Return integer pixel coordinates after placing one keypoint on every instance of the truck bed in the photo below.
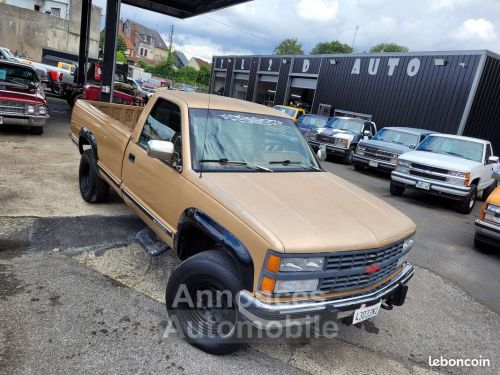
(112, 126)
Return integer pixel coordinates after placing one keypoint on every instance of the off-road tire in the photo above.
(466, 205)
(92, 188)
(488, 191)
(396, 189)
(38, 130)
(348, 159)
(208, 270)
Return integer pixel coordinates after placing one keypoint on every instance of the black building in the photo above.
(454, 92)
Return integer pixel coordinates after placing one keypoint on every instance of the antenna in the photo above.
(205, 137)
(354, 39)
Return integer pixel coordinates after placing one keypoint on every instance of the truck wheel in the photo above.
(210, 281)
(488, 191)
(396, 190)
(467, 204)
(38, 130)
(92, 188)
(347, 159)
(359, 167)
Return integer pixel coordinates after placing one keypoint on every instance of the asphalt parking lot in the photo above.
(78, 295)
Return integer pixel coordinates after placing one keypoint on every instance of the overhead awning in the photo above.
(269, 78)
(220, 74)
(305, 83)
(241, 76)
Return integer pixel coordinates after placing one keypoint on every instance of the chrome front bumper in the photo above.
(23, 120)
(487, 229)
(436, 186)
(381, 163)
(259, 312)
(330, 147)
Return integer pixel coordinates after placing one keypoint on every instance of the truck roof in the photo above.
(198, 100)
(461, 137)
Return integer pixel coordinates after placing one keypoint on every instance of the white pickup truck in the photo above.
(452, 166)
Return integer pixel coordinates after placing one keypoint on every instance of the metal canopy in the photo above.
(182, 8)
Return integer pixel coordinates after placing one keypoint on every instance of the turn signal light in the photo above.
(267, 285)
(273, 263)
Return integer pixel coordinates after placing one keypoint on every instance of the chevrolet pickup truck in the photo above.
(382, 151)
(341, 136)
(452, 166)
(217, 180)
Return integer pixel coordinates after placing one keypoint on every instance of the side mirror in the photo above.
(412, 147)
(161, 150)
(321, 154)
(493, 159)
(367, 133)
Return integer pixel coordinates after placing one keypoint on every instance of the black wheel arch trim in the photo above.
(89, 138)
(193, 217)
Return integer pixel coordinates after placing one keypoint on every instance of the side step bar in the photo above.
(151, 243)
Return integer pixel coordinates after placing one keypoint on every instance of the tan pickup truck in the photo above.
(233, 188)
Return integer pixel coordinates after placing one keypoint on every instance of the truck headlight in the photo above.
(341, 142)
(301, 264)
(42, 110)
(360, 150)
(30, 109)
(458, 178)
(408, 244)
(403, 166)
(491, 212)
(296, 286)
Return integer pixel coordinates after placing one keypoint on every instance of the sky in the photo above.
(257, 26)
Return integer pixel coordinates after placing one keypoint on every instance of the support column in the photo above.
(109, 59)
(80, 75)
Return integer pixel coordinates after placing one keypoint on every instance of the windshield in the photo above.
(17, 75)
(314, 121)
(399, 137)
(461, 148)
(264, 142)
(352, 126)
(288, 111)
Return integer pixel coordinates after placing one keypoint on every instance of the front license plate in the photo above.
(423, 185)
(373, 164)
(364, 313)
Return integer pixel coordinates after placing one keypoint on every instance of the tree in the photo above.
(203, 78)
(331, 47)
(289, 47)
(389, 47)
(120, 45)
(120, 57)
(165, 69)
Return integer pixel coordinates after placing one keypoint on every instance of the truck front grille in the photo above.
(351, 268)
(11, 107)
(431, 173)
(376, 154)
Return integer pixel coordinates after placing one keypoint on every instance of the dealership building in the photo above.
(454, 92)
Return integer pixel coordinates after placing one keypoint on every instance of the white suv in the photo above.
(452, 166)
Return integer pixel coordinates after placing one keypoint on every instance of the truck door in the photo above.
(152, 186)
(487, 175)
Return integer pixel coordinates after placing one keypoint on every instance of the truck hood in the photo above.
(385, 146)
(308, 212)
(20, 93)
(440, 161)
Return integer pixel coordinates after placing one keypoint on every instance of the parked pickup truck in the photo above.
(341, 136)
(452, 166)
(382, 151)
(488, 224)
(217, 179)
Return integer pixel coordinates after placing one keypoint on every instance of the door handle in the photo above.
(131, 158)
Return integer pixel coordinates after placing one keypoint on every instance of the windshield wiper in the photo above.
(235, 162)
(289, 162)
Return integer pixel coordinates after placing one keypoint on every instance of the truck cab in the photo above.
(455, 167)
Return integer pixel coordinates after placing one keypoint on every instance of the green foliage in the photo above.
(203, 78)
(331, 47)
(120, 45)
(289, 46)
(165, 69)
(389, 47)
(120, 57)
(147, 68)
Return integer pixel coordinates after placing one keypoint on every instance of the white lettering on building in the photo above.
(357, 66)
(373, 66)
(242, 64)
(413, 67)
(392, 63)
(305, 65)
(270, 64)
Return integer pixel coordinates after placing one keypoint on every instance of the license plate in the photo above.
(373, 164)
(364, 313)
(423, 185)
